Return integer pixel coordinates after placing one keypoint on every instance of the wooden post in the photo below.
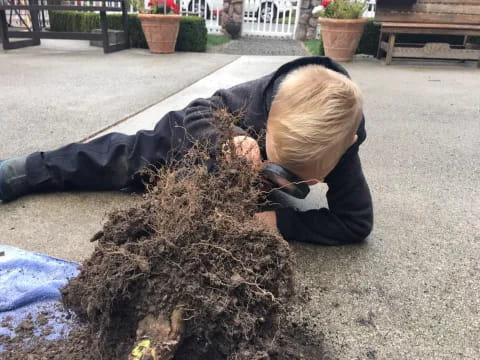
(104, 24)
(125, 23)
(4, 29)
(35, 24)
(391, 46)
(379, 50)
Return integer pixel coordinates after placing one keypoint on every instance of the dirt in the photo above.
(26, 326)
(42, 318)
(77, 346)
(7, 323)
(190, 270)
(292, 342)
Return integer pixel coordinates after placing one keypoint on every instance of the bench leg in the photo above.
(391, 46)
(10, 45)
(107, 48)
(4, 29)
(104, 24)
(35, 24)
(379, 50)
(125, 24)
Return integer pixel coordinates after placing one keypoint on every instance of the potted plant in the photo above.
(233, 29)
(160, 23)
(341, 27)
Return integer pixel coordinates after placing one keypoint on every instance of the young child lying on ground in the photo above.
(312, 114)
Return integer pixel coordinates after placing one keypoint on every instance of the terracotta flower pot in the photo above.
(161, 32)
(341, 37)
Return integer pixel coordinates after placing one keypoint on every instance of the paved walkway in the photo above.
(410, 292)
(63, 91)
(261, 46)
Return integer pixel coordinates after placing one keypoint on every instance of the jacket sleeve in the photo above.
(238, 100)
(112, 161)
(349, 218)
(197, 121)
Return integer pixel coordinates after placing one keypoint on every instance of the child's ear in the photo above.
(355, 138)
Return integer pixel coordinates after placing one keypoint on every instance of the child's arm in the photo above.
(237, 100)
(349, 218)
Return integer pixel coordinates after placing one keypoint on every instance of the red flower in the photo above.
(325, 3)
(170, 4)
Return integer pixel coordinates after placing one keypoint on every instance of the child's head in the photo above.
(313, 121)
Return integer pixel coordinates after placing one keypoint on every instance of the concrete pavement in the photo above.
(63, 91)
(410, 292)
(261, 46)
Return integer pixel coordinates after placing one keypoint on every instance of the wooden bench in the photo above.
(35, 33)
(437, 17)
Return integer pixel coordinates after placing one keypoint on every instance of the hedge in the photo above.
(369, 41)
(192, 35)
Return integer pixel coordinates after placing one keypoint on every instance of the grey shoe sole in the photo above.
(13, 178)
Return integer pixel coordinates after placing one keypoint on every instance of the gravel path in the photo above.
(261, 46)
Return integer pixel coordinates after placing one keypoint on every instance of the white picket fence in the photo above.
(210, 10)
(370, 10)
(271, 18)
(211, 13)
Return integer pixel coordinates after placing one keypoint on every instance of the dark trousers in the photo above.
(109, 162)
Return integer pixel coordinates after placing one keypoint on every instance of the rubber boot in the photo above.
(13, 178)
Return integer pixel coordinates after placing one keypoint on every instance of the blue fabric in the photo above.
(29, 284)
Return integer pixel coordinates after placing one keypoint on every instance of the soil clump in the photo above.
(190, 271)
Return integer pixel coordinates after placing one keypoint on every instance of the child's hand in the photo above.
(248, 148)
(268, 218)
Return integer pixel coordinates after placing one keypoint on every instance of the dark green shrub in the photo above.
(369, 41)
(192, 34)
(137, 38)
(74, 21)
(321, 50)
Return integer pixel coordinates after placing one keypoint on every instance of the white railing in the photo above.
(370, 10)
(211, 13)
(273, 18)
(210, 10)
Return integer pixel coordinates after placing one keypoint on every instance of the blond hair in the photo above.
(313, 118)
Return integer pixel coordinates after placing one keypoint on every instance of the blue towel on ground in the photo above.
(30, 284)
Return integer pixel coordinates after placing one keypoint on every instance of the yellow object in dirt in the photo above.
(143, 351)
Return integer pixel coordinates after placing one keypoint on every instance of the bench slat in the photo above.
(431, 51)
(429, 26)
(60, 7)
(453, 3)
(448, 9)
(459, 32)
(415, 17)
(57, 35)
(46, 2)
